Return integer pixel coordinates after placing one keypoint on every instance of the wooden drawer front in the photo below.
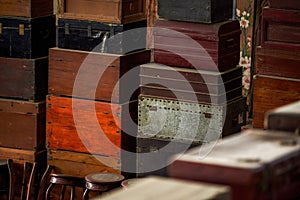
(284, 118)
(22, 124)
(288, 4)
(102, 136)
(281, 28)
(207, 11)
(32, 37)
(24, 78)
(271, 92)
(117, 11)
(64, 65)
(166, 119)
(267, 153)
(26, 8)
(278, 62)
(101, 37)
(193, 45)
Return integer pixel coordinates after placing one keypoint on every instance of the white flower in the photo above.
(244, 23)
(238, 12)
(246, 82)
(244, 13)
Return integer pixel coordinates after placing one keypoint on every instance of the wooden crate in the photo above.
(26, 8)
(196, 45)
(64, 65)
(284, 118)
(277, 62)
(280, 28)
(208, 11)
(22, 124)
(256, 164)
(98, 133)
(24, 78)
(117, 11)
(101, 37)
(271, 92)
(26, 37)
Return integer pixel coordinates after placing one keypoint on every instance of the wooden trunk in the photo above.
(181, 83)
(284, 118)
(22, 124)
(280, 28)
(116, 11)
(99, 76)
(287, 4)
(257, 164)
(24, 78)
(81, 164)
(169, 189)
(26, 8)
(26, 37)
(278, 62)
(271, 92)
(192, 122)
(195, 45)
(101, 37)
(74, 125)
(207, 11)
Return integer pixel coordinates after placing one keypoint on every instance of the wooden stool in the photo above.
(101, 182)
(65, 180)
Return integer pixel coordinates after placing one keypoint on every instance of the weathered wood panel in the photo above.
(64, 65)
(271, 92)
(22, 124)
(24, 78)
(278, 62)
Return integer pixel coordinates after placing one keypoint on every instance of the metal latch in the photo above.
(89, 31)
(67, 29)
(21, 29)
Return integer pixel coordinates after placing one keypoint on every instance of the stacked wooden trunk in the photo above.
(258, 164)
(27, 31)
(192, 93)
(277, 79)
(89, 107)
